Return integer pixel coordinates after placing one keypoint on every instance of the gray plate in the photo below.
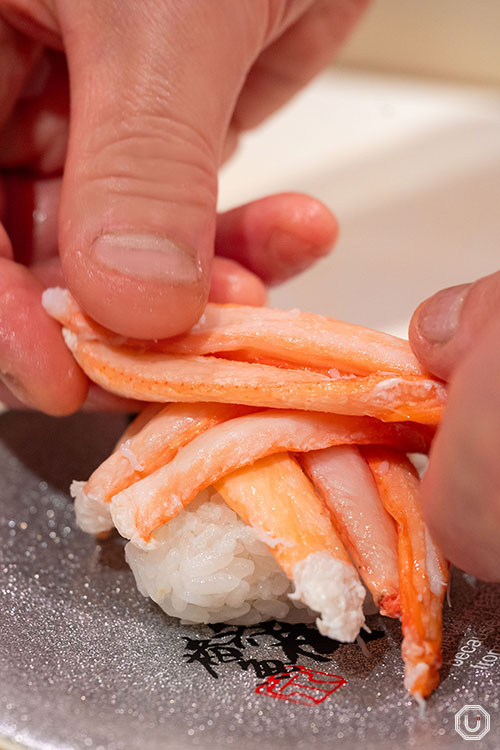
(85, 661)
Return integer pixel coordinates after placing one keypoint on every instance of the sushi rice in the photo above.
(209, 567)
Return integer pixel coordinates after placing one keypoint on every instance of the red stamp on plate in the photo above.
(299, 684)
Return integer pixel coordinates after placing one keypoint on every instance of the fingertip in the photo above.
(445, 326)
(278, 236)
(67, 394)
(435, 325)
(138, 300)
(452, 523)
(460, 497)
(233, 284)
(50, 380)
(304, 231)
(312, 221)
(418, 342)
(35, 364)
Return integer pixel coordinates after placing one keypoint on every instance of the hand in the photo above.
(456, 334)
(160, 91)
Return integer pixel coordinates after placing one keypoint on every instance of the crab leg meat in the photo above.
(423, 572)
(164, 377)
(275, 497)
(140, 452)
(154, 500)
(140, 421)
(383, 379)
(351, 401)
(291, 336)
(344, 481)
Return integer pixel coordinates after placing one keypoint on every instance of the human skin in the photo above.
(159, 98)
(456, 334)
(160, 91)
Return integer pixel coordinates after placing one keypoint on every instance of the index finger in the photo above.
(35, 364)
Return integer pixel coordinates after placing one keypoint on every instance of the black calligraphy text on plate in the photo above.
(234, 643)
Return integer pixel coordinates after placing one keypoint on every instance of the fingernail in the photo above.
(148, 257)
(16, 388)
(439, 316)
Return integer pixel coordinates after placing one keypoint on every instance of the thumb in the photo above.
(456, 334)
(445, 326)
(153, 86)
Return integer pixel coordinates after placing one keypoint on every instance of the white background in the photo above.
(412, 170)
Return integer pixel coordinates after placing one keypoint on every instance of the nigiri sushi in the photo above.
(275, 484)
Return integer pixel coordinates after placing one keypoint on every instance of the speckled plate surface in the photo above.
(85, 661)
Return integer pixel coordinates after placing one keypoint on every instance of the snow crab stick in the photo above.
(344, 481)
(307, 339)
(297, 360)
(275, 497)
(150, 376)
(140, 421)
(151, 502)
(423, 572)
(149, 442)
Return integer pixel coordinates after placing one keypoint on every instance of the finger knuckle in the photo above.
(152, 156)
